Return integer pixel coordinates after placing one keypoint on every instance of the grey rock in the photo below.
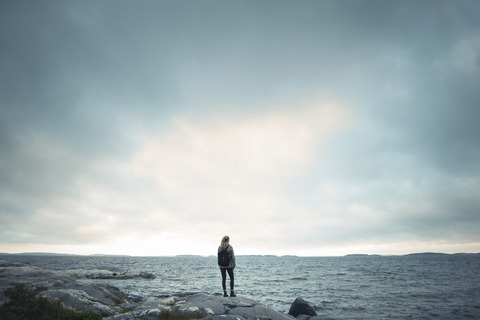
(303, 317)
(224, 317)
(99, 298)
(317, 318)
(109, 274)
(217, 304)
(123, 316)
(142, 313)
(150, 314)
(79, 300)
(300, 306)
(135, 298)
(259, 312)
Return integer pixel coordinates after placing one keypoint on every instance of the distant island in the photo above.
(409, 254)
(441, 254)
(38, 254)
(427, 254)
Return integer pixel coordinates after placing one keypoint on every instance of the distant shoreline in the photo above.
(251, 255)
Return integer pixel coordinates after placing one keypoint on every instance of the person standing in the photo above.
(226, 263)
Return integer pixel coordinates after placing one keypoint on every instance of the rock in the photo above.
(123, 316)
(218, 305)
(63, 286)
(108, 274)
(79, 300)
(135, 298)
(259, 312)
(100, 298)
(170, 301)
(300, 306)
(239, 307)
(224, 317)
(70, 287)
(151, 313)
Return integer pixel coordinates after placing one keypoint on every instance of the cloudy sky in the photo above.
(295, 127)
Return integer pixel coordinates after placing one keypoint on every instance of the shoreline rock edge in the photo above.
(113, 304)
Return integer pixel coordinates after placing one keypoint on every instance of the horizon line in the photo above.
(241, 255)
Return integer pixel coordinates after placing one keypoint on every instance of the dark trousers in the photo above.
(224, 278)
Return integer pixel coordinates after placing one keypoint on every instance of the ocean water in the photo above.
(352, 287)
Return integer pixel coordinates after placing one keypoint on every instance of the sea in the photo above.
(420, 286)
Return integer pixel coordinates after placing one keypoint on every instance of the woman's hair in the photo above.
(223, 244)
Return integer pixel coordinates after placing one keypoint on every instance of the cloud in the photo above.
(262, 147)
(196, 177)
(227, 173)
(466, 54)
(163, 123)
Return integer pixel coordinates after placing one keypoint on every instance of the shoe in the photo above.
(232, 294)
(225, 294)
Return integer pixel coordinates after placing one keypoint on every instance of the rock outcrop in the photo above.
(211, 307)
(113, 304)
(64, 286)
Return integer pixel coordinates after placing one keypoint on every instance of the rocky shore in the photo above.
(113, 304)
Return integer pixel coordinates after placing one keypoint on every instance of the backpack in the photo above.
(224, 258)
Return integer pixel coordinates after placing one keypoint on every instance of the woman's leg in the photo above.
(224, 278)
(232, 281)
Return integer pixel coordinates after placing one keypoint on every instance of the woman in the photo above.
(225, 245)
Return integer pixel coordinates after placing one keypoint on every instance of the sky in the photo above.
(310, 128)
